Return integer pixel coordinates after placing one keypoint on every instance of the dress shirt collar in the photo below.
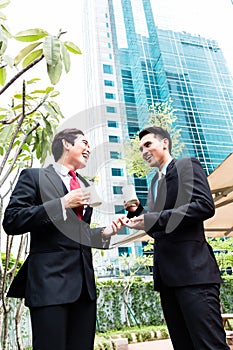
(163, 171)
(61, 169)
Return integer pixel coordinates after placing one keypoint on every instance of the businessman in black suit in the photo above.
(57, 279)
(185, 270)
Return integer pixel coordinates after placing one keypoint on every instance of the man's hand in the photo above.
(136, 223)
(76, 198)
(131, 207)
(112, 229)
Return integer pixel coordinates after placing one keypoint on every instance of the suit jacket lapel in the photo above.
(55, 180)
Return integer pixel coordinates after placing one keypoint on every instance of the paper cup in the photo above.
(94, 198)
(129, 195)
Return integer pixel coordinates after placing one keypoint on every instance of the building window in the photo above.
(117, 189)
(108, 82)
(124, 231)
(110, 96)
(124, 251)
(110, 56)
(107, 25)
(109, 45)
(114, 139)
(110, 109)
(107, 68)
(112, 124)
(115, 155)
(120, 209)
(108, 35)
(117, 172)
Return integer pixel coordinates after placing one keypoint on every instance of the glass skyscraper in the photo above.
(131, 64)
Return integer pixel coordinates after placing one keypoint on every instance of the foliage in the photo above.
(28, 121)
(223, 249)
(108, 340)
(143, 303)
(111, 304)
(160, 114)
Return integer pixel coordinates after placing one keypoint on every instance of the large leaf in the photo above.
(54, 72)
(4, 3)
(72, 47)
(2, 75)
(51, 50)
(65, 58)
(25, 51)
(3, 42)
(32, 57)
(31, 35)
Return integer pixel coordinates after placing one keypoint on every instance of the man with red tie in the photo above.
(57, 279)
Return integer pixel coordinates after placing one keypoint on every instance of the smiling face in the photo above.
(154, 150)
(75, 156)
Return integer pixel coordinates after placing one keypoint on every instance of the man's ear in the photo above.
(165, 143)
(66, 145)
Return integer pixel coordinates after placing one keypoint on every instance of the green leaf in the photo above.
(3, 42)
(4, 3)
(32, 57)
(9, 61)
(25, 147)
(51, 50)
(72, 47)
(50, 110)
(24, 52)
(56, 107)
(6, 30)
(54, 72)
(2, 76)
(31, 35)
(65, 58)
(32, 81)
(49, 89)
(38, 91)
(54, 94)
(2, 16)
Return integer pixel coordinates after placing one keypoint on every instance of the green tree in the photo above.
(160, 114)
(28, 120)
(223, 249)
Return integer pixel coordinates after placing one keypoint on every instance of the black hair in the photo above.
(69, 135)
(158, 131)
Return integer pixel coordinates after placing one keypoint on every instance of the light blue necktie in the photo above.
(160, 175)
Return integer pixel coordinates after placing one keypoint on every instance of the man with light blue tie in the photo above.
(185, 270)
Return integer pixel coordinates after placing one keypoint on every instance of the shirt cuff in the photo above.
(63, 209)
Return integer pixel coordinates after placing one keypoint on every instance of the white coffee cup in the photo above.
(94, 197)
(129, 195)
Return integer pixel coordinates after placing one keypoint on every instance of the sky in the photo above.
(209, 18)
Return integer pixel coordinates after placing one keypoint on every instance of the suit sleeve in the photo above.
(193, 203)
(25, 210)
(26, 213)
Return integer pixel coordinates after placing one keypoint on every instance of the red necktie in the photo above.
(74, 184)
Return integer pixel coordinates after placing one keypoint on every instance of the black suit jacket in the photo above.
(182, 255)
(60, 255)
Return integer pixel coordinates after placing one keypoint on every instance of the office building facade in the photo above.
(130, 64)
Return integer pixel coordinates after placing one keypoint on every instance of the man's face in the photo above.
(153, 150)
(79, 153)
